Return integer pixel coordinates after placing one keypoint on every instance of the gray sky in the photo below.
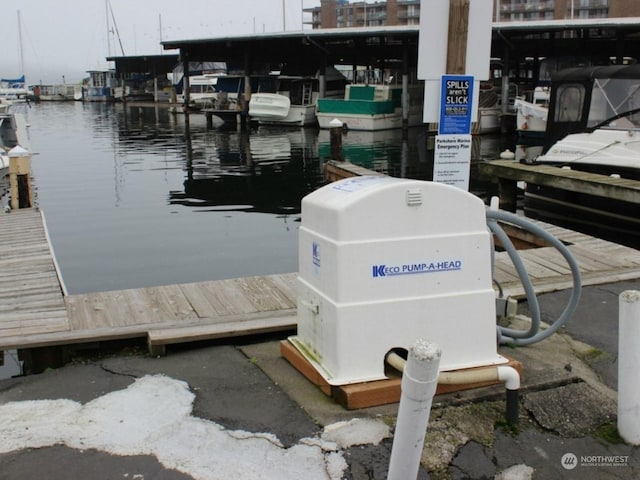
(68, 37)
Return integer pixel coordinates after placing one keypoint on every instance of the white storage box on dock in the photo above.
(384, 261)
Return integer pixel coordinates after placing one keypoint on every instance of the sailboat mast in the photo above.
(106, 16)
(21, 51)
(160, 30)
(117, 32)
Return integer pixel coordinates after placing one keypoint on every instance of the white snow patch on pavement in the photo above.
(153, 416)
(357, 431)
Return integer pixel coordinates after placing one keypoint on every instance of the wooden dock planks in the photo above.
(31, 300)
(600, 261)
(191, 311)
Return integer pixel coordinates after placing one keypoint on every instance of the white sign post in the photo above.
(452, 100)
(432, 60)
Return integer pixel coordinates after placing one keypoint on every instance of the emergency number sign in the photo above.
(455, 105)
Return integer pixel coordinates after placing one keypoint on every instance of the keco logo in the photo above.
(413, 268)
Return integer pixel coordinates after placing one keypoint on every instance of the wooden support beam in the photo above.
(457, 38)
(337, 170)
(158, 338)
(623, 189)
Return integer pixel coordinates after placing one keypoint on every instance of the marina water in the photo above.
(137, 197)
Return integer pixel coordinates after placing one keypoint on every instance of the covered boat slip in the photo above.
(34, 311)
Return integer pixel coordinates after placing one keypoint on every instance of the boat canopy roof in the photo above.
(582, 74)
(583, 99)
(13, 81)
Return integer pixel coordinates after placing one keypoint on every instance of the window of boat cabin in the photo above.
(613, 96)
(570, 100)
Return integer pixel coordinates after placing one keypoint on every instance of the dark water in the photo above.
(135, 199)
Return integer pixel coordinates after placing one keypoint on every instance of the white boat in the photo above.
(294, 102)
(13, 132)
(594, 120)
(202, 90)
(14, 90)
(372, 107)
(593, 126)
(610, 150)
(532, 109)
(203, 77)
(531, 117)
(228, 101)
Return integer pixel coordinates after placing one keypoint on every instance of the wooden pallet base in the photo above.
(367, 394)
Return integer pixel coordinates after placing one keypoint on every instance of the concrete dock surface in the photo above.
(236, 408)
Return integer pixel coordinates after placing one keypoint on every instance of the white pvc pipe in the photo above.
(629, 366)
(509, 376)
(492, 373)
(419, 383)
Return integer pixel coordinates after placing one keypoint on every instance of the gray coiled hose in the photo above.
(533, 334)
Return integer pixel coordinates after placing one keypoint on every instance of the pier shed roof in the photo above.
(337, 46)
(599, 37)
(156, 64)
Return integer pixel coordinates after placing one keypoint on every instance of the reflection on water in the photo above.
(266, 170)
(138, 198)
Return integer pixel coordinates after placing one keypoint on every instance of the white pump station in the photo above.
(384, 261)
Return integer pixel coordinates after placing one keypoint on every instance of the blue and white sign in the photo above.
(456, 102)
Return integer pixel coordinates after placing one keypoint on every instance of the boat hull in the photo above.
(277, 109)
(99, 94)
(269, 106)
(384, 121)
(605, 151)
(360, 122)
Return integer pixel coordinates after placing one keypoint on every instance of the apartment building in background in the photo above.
(342, 13)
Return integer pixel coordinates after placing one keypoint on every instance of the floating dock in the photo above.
(509, 172)
(35, 312)
(31, 294)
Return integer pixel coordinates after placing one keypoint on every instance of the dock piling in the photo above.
(335, 133)
(19, 181)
